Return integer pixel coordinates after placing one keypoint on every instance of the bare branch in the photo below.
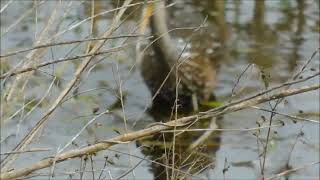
(292, 170)
(28, 138)
(150, 131)
(26, 151)
(69, 42)
(32, 68)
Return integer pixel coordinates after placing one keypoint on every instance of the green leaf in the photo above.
(265, 78)
(212, 103)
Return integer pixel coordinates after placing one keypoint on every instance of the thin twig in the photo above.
(261, 93)
(82, 129)
(149, 131)
(24, 15)
(284, 173)
(104, 166)
(35, 67)
(70, 42)
(287, 115)
(26, 151)
(28, 138)
(238, 80)
(51, 174)
(273, 108)
(130, 170)
(92, 168)
(224, 130)
(5, 6)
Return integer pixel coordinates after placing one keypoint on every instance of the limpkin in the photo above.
(196, 75)
(198, 79)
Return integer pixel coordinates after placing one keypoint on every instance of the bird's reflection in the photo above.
(188, 160)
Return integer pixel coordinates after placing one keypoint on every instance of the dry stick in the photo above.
(103, 169)
(299, 135)
(223, 130)
(305, 65)
(83, 166)
(261, 93)
(36, 22)
(131, 169)
(279, 95)
(24, 117)
(149, 131)
(14, 114)
(284, 173)
(96, 62)
(24, 15)
(69, 42)
(287, 115)
(82, 129)
(124, 118)
(27, 151)
(122, 44)
(92, 168)
(32, 57)
(5, 6)
(100, 14)
(175, 118)
(238, 80)
(92, 26)
(32, 68)
(204, 168)
(273, 108)
(28, 138)
(53, 164)
(166, 163)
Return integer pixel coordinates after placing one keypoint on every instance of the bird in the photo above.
(195, 75)
(194, 78)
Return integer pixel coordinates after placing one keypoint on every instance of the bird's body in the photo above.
(194, 75)
(190, 80)
(197, 77)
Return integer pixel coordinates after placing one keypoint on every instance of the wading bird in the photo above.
(194, 76)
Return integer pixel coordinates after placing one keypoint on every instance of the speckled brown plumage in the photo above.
(196, 74)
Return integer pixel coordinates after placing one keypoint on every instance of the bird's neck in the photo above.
(163, 46)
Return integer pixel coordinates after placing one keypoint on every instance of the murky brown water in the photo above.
(276, 37)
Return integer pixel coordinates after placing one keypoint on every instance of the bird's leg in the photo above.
(213, 125)
(195, 102)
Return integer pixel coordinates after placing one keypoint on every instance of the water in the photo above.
(276, 37)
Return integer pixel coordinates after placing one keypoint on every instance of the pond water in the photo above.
(274, 38)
